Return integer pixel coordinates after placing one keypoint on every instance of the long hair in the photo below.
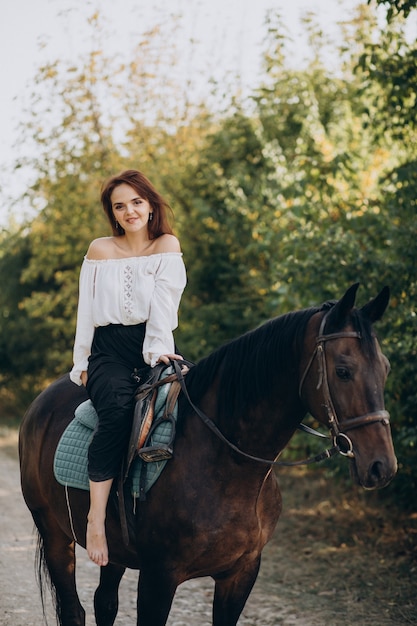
(162, 212)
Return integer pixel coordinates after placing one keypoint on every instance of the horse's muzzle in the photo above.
(376, 475)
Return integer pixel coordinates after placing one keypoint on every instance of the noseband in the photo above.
(338, 430)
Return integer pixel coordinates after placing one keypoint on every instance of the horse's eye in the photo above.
(343, 373)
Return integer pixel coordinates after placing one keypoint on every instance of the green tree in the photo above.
(69, 133)
(325, 183)
(14, 328)
(229, 273)
(396, 7)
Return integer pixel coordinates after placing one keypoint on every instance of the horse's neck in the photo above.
(262, 429)
(268, 427)
(258, 418)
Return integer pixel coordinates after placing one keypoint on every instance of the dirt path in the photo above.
(344, 565)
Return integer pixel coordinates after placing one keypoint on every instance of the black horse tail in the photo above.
(45, 583)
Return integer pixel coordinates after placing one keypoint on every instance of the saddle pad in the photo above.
(71, 455)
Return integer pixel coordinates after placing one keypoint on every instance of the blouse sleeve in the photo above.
(170, 280)
(85, 326)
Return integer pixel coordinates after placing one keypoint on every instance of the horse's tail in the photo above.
(44, 579)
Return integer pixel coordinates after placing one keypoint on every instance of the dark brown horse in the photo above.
(213, 509)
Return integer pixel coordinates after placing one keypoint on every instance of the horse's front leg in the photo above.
(232, 589)
(106, 597)
(156, 590)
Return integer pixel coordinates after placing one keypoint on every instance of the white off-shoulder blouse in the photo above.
(129, 291)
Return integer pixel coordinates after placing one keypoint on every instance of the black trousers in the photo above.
(115, 353)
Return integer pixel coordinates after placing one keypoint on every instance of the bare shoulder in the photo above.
(166, 243)
(102, 248)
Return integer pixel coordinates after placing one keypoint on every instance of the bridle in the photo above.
(338, 430)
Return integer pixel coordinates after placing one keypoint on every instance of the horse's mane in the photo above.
(246, 366)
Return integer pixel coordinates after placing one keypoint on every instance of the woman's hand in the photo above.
(84, 378)
(164, 358)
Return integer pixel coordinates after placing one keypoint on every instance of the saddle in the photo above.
(139, 475)
(153, 393)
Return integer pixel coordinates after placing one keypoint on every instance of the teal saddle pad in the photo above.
(71, 455)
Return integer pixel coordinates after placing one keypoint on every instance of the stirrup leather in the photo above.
(163, 451)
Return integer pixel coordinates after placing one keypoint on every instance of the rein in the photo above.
(212, 426)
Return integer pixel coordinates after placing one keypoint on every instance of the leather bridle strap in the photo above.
(320, 341)
(364, 420)
(338, 429)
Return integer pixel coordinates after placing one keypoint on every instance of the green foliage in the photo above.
(391, 64)
(400, 324)
(396, 7)
(75, 152)
(229, 267)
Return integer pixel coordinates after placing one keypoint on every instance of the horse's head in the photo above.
(343, 374)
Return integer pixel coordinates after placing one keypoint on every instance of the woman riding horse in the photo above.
(130, 290)
(214, 507)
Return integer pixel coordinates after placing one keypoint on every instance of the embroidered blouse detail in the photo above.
(129, 291)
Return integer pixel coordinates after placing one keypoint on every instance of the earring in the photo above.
(150, 217)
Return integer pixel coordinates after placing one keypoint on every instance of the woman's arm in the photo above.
(170, 280)
(85, 326)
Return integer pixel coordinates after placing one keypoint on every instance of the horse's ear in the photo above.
(375, 309)
(339, 313)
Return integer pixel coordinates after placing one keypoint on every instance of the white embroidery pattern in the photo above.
(128, 291)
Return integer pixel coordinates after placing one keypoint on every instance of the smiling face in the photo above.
(139, 187)
(130, 210)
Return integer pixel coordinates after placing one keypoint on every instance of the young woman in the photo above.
(130, 289)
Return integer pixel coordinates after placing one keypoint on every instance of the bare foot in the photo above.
(97, 543)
